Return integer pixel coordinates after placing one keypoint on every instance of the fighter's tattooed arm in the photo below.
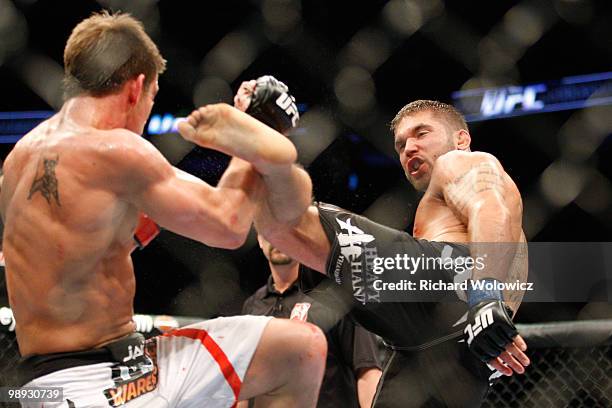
(473, 185)
(476, 188)
(45, 180)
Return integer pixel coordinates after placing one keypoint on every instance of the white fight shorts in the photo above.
(201, 365)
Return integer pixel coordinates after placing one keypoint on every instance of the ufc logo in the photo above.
(506, 100)
(287, 103)
(483, 320)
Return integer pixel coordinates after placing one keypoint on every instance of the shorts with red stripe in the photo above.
(201, 365)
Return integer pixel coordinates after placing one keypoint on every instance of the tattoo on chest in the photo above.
(46, 183)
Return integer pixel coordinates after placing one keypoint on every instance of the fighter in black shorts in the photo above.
(430, 365)
(470, 207)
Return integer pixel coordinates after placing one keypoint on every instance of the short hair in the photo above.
(104, 51)
(448, 112)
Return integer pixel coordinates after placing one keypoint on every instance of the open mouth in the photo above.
(414, 164)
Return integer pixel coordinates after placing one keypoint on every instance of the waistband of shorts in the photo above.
(33, 366)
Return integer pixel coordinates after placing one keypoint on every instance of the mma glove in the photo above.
(490, 329)
(272, 104)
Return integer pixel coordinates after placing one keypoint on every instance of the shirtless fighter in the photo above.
(70, 201)
(469, 206)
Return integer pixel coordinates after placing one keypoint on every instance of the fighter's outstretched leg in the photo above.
(224, 128)
(227, 129)
(287, 367)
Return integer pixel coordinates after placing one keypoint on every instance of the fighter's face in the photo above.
(420, 139)
(273, 255)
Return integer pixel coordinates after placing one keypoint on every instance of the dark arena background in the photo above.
(534, 79)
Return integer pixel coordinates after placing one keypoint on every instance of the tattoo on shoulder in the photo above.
(479, 178)
(487, 178)
(45, 180)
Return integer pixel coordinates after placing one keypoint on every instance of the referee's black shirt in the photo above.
(350, 347)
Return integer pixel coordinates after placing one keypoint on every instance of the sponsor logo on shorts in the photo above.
(353, 244)
(134, 352)
(132, 382)
(337, 274)
(300, 311)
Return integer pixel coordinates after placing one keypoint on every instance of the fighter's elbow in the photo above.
(239, 230)
(229, 234)
(237, 217)
(221, 228)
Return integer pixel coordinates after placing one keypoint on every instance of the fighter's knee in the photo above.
(298, 341)
(312, 343)
(317, 340)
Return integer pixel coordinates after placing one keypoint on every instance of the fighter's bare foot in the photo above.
(189, 128)
(226, 129)
(220, 127)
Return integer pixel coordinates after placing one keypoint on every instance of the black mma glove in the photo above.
(272, 104)
(490, 329)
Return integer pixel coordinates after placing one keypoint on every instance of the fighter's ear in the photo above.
(135, 87)
(463, 140)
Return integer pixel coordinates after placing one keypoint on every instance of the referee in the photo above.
(353, 366)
